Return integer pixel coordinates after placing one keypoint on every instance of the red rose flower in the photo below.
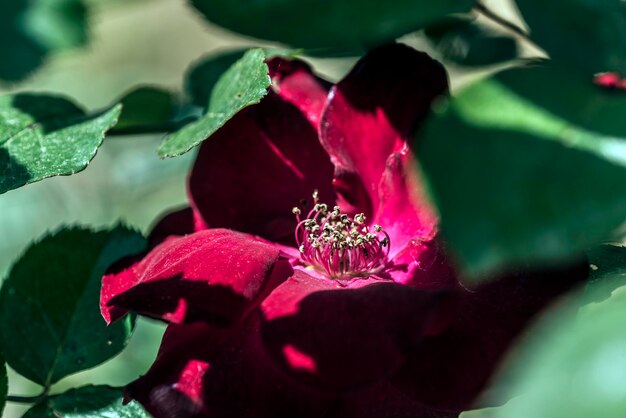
(344, 306)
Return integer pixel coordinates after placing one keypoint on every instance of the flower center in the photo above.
(341, 245)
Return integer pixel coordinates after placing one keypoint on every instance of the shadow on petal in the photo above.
(213, 275)
(451, 370)
(342, 339)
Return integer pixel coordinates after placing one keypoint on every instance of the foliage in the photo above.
(525, 167)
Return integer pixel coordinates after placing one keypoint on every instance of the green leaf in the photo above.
(492, 412)
(244, 84)
(608, 271)
(203, 75)
(146, 109)
(4, 384)
(465, 42)
(516, 180)
(87, 402)
(29, 30)
(570, 365)
(50, 322)
(588, 36)
(45, 136)
(318, 24)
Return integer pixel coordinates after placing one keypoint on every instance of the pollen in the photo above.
(341, 245)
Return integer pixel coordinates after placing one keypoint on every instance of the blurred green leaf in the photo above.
(245, 83)
(4, 384)
(570, 365)
(588, 36)
(87, 402)
(29, 30)
(50, 322)
(608, 271)
(465, 42)
(515, 180)
(491, 412)
(45, 136)
(146, 109)
(318, 24)
(203, 75)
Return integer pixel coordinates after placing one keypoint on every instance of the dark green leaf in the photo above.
(517, 181)
(244, 84)
(318, 23)
(492, 412)
(45, 136)
(146, 109)
(570, 366)
(588, 36)
(4, 384)
(468, 43)
(203, 75)
(608, 271)
(29, 30)
(570, 96)
(87, 402)
(50, 323)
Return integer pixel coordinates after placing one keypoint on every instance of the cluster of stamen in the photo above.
(341, 245)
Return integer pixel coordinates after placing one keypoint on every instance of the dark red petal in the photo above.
(293, 80)
(216, 275)
(424, 265)
(383, 401)
(450, 370)
(215, 373)
(338, 339)
(174, 223)
(369, 117)
(253, 171)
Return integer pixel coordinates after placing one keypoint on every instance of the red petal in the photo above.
(450, 370)
(215, 275)
(213, 373)
(207, 372)
(368, 119)
(174, 223)
(253, 171)
(423, 265)
(337, 339)
(608, 80)
(384, 401)
(294, 81)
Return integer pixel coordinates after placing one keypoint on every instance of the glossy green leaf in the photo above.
(571, 365)
(517, 180)
(87, 402)
(244, 84)
(465, 42)
(29, 30)
(587, 35)
(50, 322)
(146, 109)
(317, 23)
(45, 136)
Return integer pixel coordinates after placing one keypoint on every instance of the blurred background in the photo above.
(139, 42)
(132, 43)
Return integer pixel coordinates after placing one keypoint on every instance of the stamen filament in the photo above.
(338, 244)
